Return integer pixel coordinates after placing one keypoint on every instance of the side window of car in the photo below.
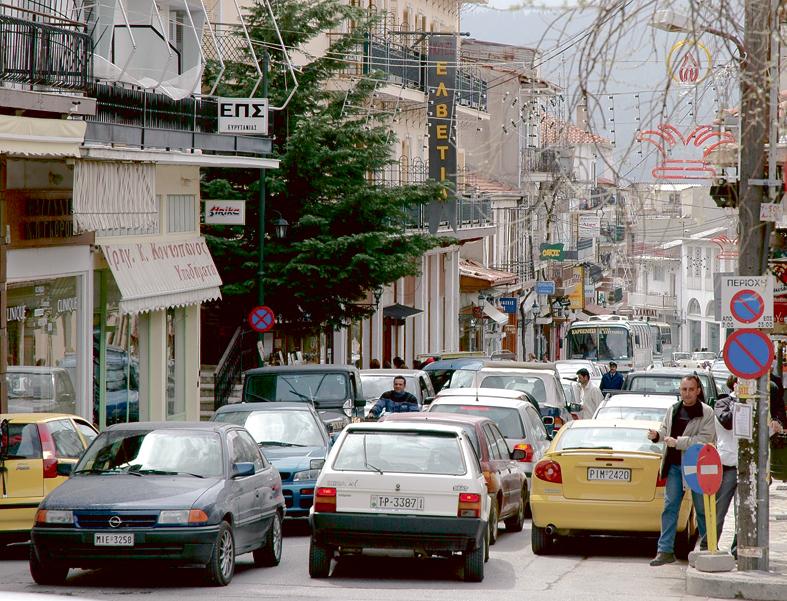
(537, 425)
(423, 387)
(253, 449)
(68, 445)
(502, 445)
(86, 430)
(490, 436)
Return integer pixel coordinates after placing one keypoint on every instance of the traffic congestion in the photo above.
(438, 463)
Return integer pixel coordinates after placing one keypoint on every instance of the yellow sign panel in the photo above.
(577, 294)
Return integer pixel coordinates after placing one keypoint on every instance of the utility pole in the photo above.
(261, 222)
(752, 498)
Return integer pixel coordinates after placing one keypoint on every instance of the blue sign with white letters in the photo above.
(509, 304)
(547, 288)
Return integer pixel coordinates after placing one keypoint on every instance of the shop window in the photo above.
(176, 364)
(43, 318)
(181, 213)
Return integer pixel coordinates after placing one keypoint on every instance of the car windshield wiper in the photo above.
(296, 393)
(366, 461)
(280, 443)
(95, 470)
(166, 473)
(259, 397)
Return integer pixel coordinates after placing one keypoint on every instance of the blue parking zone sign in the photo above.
(689, 467)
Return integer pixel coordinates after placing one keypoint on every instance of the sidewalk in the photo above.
(759, 586)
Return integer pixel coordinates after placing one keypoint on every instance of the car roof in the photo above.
(486, 393)
(641, 400)
(272, 406)
(420, 426)
(436, 417)
(146, 426)
(36, 417)
(668, 371)
(510, 403)
(614, 423)
(391, 372)
(310, 368)
(458, 363)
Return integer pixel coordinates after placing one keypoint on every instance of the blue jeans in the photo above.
(673, 495)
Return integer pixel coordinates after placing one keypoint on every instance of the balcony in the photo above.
(403, 65)
(471, 90)
(651, 301)
(44, 55)
(146, 120)
(471, 213)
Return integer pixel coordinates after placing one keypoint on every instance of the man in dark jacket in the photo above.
(612, 380)
(397, 400)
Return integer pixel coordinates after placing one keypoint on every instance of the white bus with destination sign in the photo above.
(611, 338)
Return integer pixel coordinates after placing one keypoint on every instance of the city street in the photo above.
(608, 571)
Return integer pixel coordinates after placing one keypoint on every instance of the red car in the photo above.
(506, 483)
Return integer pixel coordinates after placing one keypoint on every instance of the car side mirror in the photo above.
(242, 469)
(64, 469)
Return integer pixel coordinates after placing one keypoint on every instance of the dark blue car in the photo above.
(293, 438)
(177, 494)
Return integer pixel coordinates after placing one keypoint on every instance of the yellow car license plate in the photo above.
(608, 473)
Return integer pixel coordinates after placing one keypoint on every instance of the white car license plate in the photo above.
(606, 473)
(397, 502)
(113, 540)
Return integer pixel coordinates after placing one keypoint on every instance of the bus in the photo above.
(662, 342)
(607, 338)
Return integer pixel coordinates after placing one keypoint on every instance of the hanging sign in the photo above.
(243, 116)
(225, 212)
(747, 301)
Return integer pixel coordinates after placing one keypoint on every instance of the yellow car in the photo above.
(602, 477)
(32, 449)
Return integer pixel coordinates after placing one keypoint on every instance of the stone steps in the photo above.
(207, 388)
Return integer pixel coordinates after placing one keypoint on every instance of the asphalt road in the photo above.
(583, 571)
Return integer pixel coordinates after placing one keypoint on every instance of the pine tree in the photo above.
(347, 235)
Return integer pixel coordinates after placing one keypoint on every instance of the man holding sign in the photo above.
(688, 422)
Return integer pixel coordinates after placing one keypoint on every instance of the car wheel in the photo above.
(47, 572)
(474, 562)
(270, 553)
(516, 522)
(493, 522)
(540, 542)
(319, 560)
(221, 566)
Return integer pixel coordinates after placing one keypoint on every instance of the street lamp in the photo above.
(280, 227)
(674, 22)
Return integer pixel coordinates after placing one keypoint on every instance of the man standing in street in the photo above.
(589, 394)
(612, 380)
(690, 421)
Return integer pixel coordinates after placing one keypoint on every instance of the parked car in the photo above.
(649, 407)
(454, 372)
(335, 391)
(405, 486)
(170, 494)
(505, 483)
(697, 360)
(568, 369)
(667, 381)
(603, 477)
(39, 389)
(378, 381)
(720, 373)
(34, 455)
(294, 439)
(519, 421)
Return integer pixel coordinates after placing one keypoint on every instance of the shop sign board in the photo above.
(546, 287)
(508, 304)
(747, 302)
(225, 212)
(589, 225)
(243, 116)
(551, 252)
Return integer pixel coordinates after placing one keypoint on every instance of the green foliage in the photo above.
(347, 235)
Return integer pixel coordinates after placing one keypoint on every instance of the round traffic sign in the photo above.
(748, 353)
(709, 470)
(689, 466)
(262, 319)
(747, 306)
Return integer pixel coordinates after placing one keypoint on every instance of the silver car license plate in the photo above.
(113, 540)
(608, 473)
(397, 502)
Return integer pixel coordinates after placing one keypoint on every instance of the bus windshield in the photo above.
(604, 343)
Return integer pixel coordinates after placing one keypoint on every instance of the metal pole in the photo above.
(752, 488)
(261, 223)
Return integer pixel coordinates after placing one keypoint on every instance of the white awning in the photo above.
(29, 136)
(157, 275)
(491, 311)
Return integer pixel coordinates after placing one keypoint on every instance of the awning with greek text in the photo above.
(161, 274)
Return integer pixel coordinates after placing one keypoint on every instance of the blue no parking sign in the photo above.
(748, 353)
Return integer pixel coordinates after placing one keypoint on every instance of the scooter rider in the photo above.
(397, 400)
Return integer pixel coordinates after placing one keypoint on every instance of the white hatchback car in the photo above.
(396, 485)
(636, 406)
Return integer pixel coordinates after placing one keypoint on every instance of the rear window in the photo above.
(667, 384)
(530, 384)
(616, 439)
(401, 452)
(653, 414)
(309, 386)
(23, 442)
(506, 418)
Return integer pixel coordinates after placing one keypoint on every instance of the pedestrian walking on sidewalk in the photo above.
(690, 421)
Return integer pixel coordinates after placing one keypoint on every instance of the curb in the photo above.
(757, 586)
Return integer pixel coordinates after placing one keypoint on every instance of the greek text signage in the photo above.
(243, 116)
(747, 301)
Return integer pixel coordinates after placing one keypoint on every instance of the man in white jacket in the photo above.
(589, 394)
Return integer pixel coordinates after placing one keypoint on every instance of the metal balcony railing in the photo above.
(471, 90)
(471, 213)
(402, 65)
(41, 54)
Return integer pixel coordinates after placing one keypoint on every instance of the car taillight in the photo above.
(549, 471)
(528, 450)
(325, 499)
(48, 452)
(469, 505)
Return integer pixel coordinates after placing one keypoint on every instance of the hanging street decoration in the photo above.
(695, 149)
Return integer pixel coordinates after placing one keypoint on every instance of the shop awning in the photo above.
(474, 276)
(32, 137)
(158, 275)
(400, 312)
(491, 311)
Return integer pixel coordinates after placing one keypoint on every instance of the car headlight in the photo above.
(54, 516)
(182, 517)
(348, 407)
(305, 475)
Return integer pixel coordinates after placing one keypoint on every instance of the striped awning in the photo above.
(158, 275)
(40, 138)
